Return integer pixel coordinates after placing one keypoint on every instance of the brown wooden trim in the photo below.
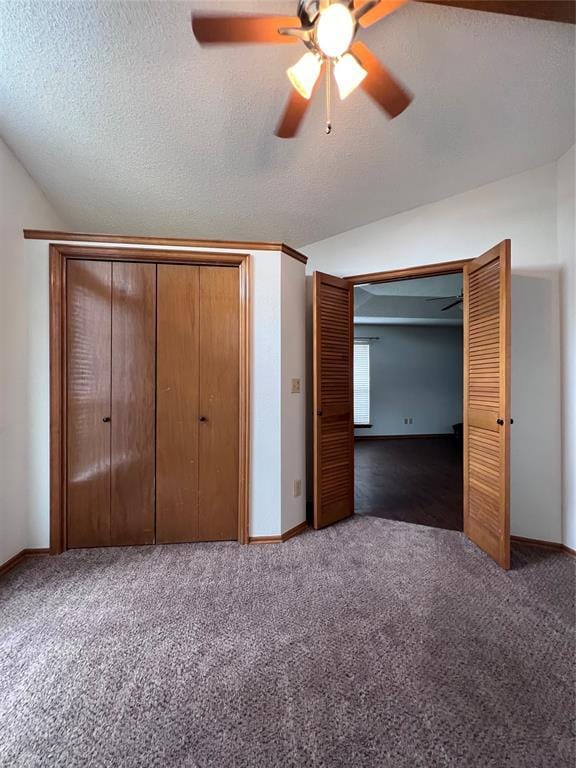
(41, 234)
(245, 389)
(18, 558)
(59, 255)
(201, 258)
(300, 528)
(408, 273)
(548, 10)
(557, 546)
(57, 400)
(279, 539)
(289, 251)
(403, 437)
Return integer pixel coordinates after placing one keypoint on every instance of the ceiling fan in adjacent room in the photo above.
(327, 28)
(459, 299)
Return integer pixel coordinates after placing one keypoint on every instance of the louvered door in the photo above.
(487, 402)
(333, 400)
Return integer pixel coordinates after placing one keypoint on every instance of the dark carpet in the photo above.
(412, 481)
(371, 643)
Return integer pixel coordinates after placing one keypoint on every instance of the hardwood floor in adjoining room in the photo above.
(411, 480)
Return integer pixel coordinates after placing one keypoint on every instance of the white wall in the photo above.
(22, 448)
(415, 371)
(267, 435)
(567, 259)
(522, 208)
(293, 405)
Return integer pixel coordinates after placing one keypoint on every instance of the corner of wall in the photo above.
(293, 453)
(24, 425)
(566, 243)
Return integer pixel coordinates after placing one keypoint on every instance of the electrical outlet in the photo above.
(408, 419)
(295, 386)
(297, 489)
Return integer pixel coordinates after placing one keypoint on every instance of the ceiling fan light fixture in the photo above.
(335, 30)
(304, 73)
(348, 73)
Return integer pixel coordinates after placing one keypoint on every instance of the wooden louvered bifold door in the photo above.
(333, 400)
(487, 402)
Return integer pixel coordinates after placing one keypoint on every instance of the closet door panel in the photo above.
(133, 403)
(177, 404)
(219, 403)
(88, 341)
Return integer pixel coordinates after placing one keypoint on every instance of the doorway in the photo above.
(408, 400)
(486, 394)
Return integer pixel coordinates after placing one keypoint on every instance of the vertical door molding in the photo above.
(60, 255)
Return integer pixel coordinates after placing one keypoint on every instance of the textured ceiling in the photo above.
(129, 126)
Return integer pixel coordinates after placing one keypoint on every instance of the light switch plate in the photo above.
(295, 386)
(297, 490)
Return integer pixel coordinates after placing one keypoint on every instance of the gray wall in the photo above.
(415, 371)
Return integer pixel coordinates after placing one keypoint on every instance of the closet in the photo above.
(152, 402)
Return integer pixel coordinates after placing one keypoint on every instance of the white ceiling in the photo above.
(129, 126)
(441, 285)
(409, 301)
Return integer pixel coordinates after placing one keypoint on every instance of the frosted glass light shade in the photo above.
(349, 73)
(304, 73)
(335, 30)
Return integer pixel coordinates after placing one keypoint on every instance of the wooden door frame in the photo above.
(410, 273)
(59, 256)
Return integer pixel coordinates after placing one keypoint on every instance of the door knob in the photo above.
(203, 418)
(106, 418)
(500, 421)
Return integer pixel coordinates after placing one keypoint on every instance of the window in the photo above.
(361, 382)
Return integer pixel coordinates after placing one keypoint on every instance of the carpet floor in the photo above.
(371, 643)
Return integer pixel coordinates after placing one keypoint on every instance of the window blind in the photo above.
(361, 382)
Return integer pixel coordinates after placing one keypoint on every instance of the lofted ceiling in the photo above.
(130, 127)
(421, 301)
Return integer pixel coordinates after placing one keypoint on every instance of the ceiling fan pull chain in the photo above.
(328, 96)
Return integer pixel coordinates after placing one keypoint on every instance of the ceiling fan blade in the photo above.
(379, 83)
(294, 111)
(384, 8)
(545, 10)
(454, 304)
(215, 30)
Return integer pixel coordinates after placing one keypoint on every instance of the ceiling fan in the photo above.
(459, 299)
(327, 28)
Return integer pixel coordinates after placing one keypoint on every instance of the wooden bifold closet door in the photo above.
(111, 350)
(197, 403)
(152, 403)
